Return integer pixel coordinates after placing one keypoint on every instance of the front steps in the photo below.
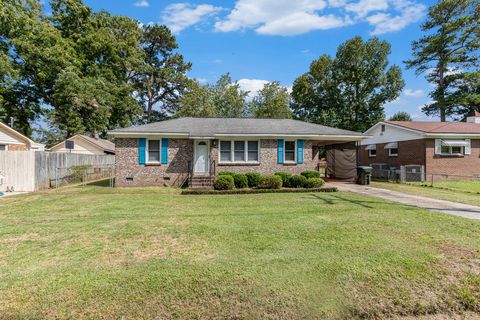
(201, 182)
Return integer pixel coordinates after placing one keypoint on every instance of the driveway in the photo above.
(443, 206)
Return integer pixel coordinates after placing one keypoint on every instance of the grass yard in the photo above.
(455, 192)
(100, 253)
(459, 185)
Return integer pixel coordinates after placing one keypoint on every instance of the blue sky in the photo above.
(267, 40)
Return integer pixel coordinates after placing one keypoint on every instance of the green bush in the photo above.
(253, 179)
(224, 182)
(284, 175)
(240, 180)
(314, 183)
(254, 191)
(296, 181)
(270, 182)
(226, 173)
(310, 174)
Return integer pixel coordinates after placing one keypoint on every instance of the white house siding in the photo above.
(391, 134)
(80, 147)
(6, 138)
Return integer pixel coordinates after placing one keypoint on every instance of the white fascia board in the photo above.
(299, 136)
(452, 135)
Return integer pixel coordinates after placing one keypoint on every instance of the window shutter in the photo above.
(468, 147)
(438, 146)
(299, 151)
(142, 143)
(164, 150)
(280, 151)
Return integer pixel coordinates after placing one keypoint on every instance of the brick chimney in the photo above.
(474, 117)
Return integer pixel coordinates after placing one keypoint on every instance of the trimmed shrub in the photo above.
(310, 174)
(224, 182)
(240, 181)
(314, 183)
(284, 175)
(253, 191)
(253, 179)
(226, 173)
(270, 182)
(296, 181)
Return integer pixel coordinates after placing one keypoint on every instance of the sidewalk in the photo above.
(443, 206)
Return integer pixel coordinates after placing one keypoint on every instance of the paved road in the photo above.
(447, 207)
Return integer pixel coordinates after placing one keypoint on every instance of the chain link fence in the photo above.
(408, 173)
(83, 174)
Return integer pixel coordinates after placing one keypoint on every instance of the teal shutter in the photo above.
(299, 151)
(164, 150)
(280, 151)
(142, 144)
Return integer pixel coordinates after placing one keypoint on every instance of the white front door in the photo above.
(201, 156)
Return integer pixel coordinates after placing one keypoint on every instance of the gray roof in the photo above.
(102, 143)
(209, 127)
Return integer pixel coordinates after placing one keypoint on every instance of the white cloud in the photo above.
(179, 16)
(252, 85)
(141, 3)
(414, 93)
(408, 12)
(287, 17)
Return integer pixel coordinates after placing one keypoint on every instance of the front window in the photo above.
(225, 151)
(289, 151)
(154, 151)
(239, 151)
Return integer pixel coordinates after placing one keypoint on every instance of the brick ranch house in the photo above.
(12, 140)
(178, 151)
(443, 148)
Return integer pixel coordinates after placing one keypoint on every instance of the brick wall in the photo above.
(180, 152)
(466, 165)
(17, 147)
(409, 152)
(268, 160)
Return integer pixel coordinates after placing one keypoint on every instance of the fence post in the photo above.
(422, 170)
(431, 184)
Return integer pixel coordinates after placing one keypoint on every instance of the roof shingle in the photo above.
(439, 127)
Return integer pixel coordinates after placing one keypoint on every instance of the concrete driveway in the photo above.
(443, 206)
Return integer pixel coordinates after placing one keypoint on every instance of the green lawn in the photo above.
(458, 185)
(451, 194)
(100, 253)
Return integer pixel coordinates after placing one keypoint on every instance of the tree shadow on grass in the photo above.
(337, 199)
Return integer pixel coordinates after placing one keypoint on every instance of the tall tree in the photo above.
(271, 102)
(350, 90)
(449, 53)
(162, 78)
(401, 116)
(223, 99)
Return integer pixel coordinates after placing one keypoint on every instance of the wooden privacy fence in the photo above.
(33, 171)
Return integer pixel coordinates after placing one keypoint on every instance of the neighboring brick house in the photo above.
(450, 148)
(169, 152)
(12, 140)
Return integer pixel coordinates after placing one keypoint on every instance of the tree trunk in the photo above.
(441, 94)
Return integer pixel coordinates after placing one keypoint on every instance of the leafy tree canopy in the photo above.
(401, 116)
(271, 102)
(348, 91)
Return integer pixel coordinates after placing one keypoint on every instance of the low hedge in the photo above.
(270, 182)
(310, 174)
(253, 179)
(224, 182)
(240, 180)
(314, 183)
(296, 182)
(254, 191)
(226, 173)
(284, 175)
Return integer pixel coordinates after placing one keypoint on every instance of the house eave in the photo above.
(452, 135)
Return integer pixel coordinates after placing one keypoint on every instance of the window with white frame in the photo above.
(290, 148)
(154, 151)
(239, 151)
(372, 150)
(453, 147)
(392, 149)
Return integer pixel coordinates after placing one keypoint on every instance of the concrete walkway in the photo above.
(443, 206)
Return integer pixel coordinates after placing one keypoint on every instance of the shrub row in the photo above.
(253, 191)
(229, 180)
